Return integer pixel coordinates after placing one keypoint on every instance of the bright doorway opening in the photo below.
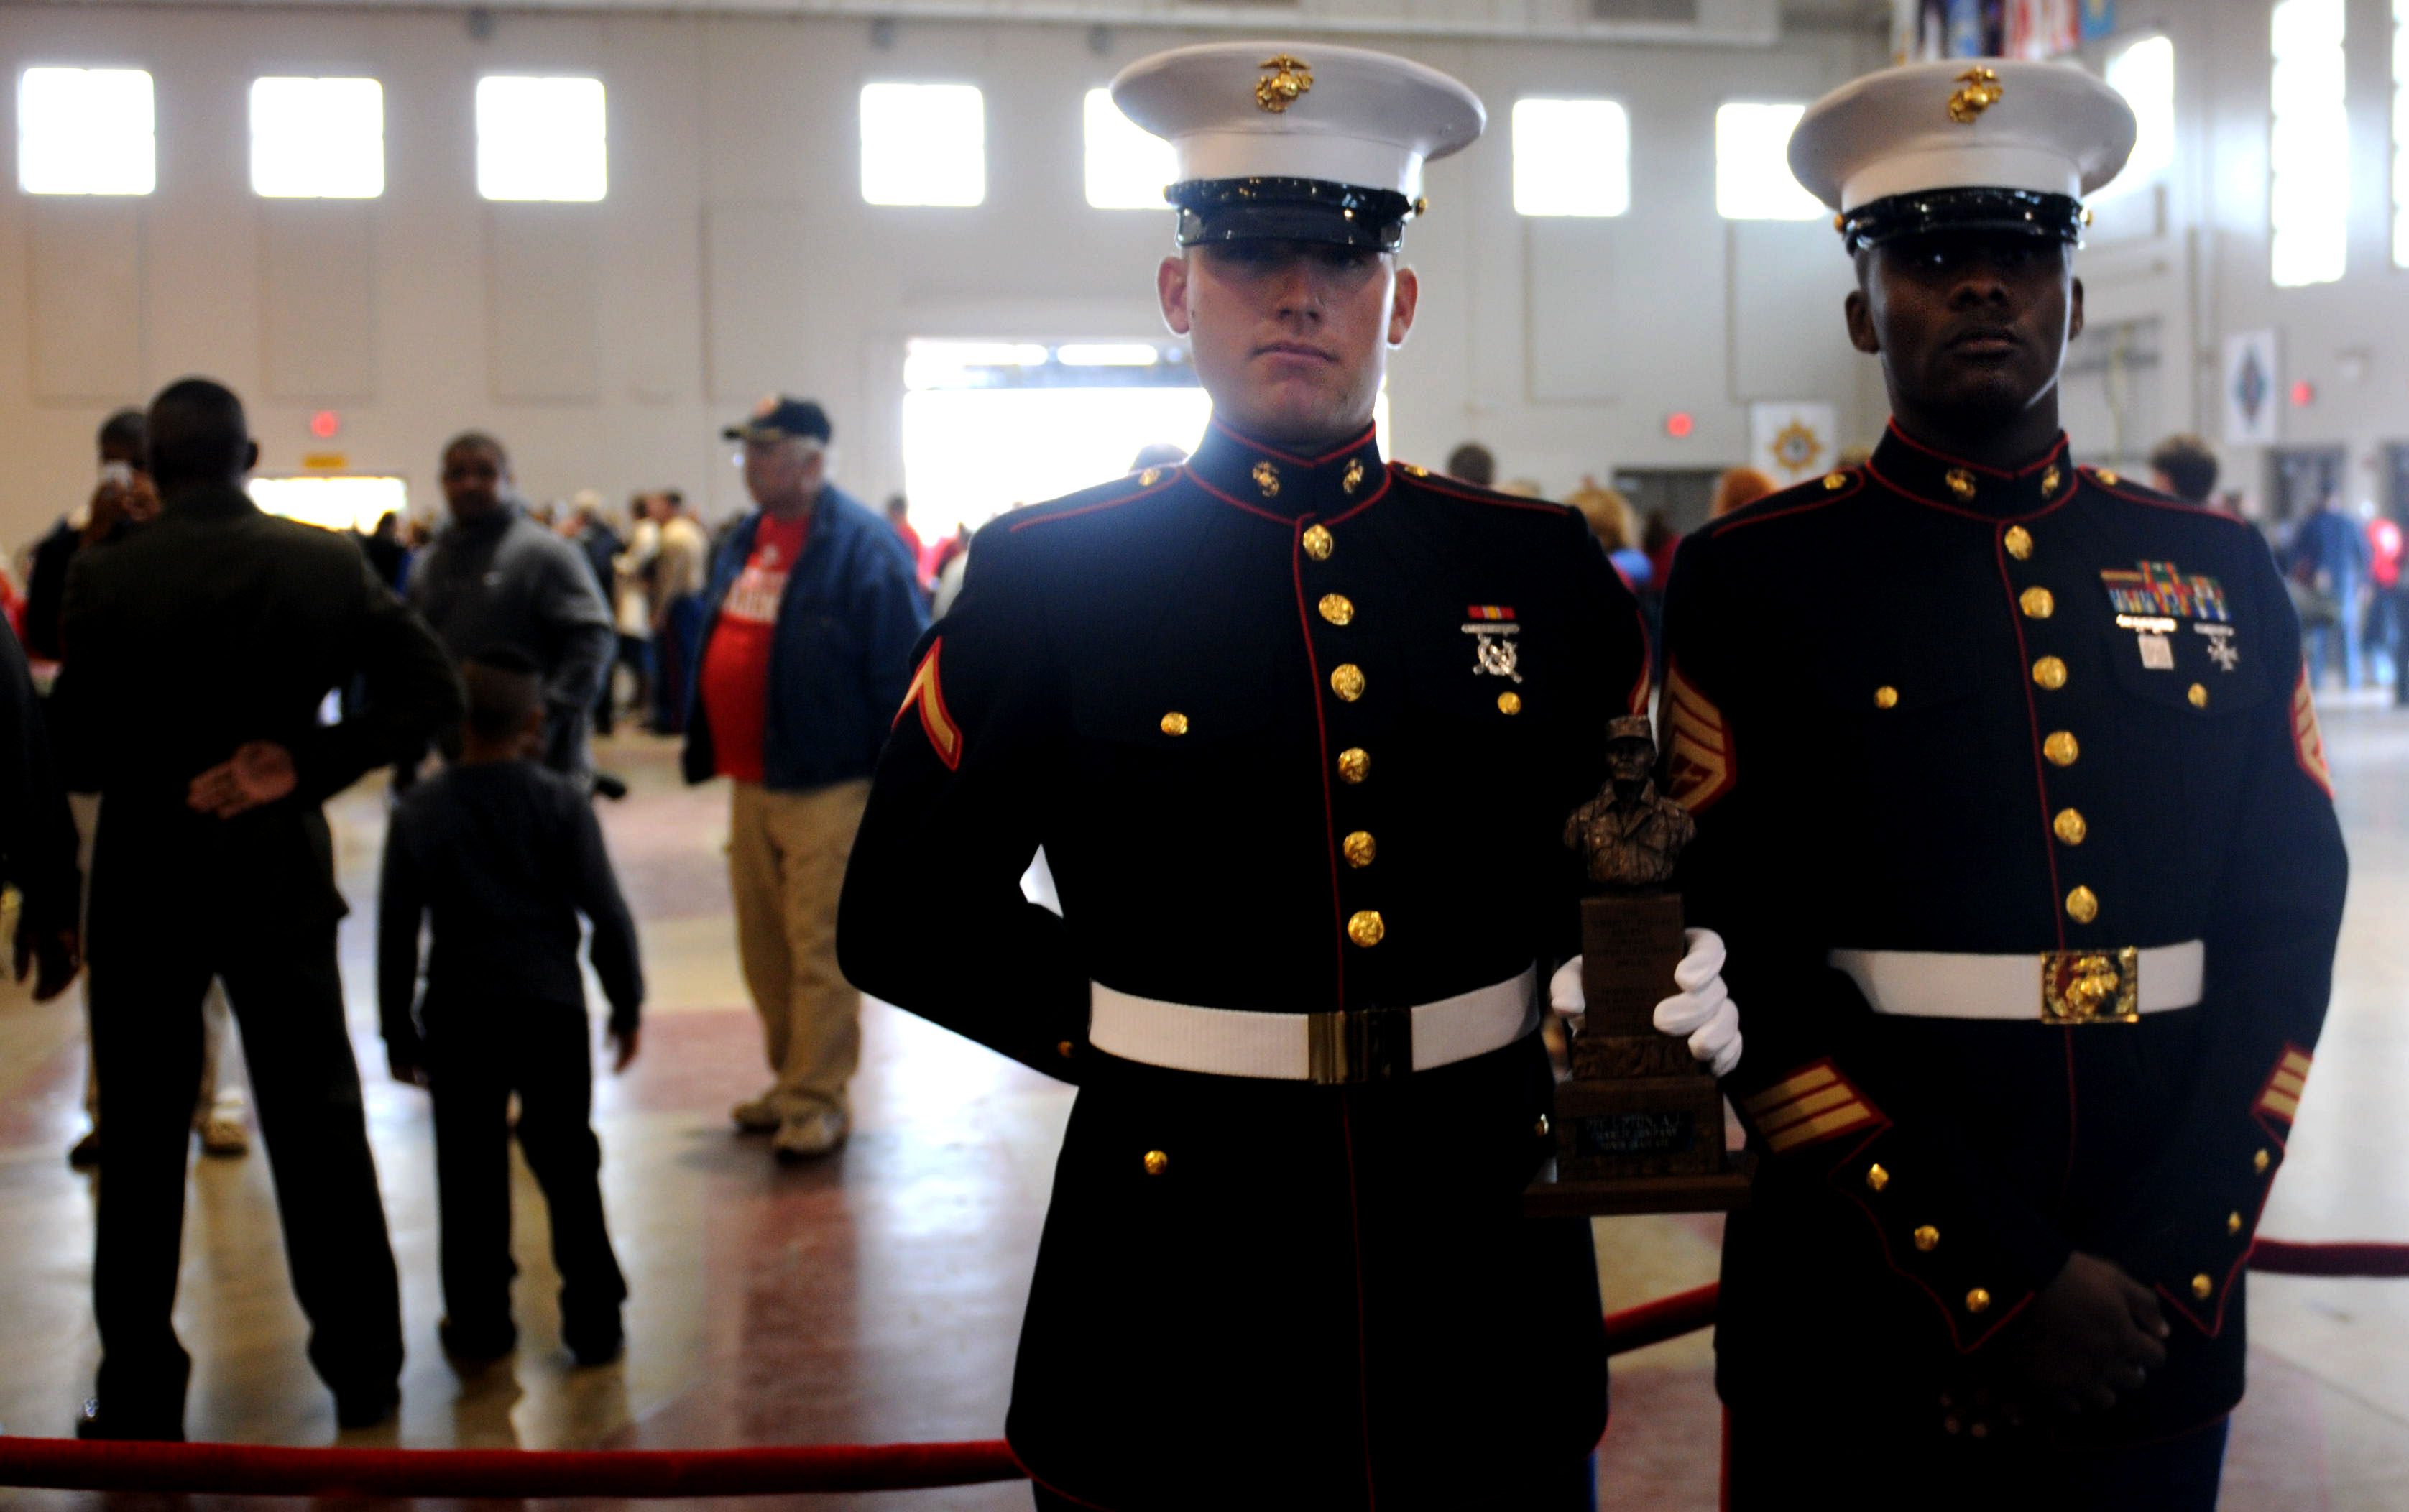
(332, 503)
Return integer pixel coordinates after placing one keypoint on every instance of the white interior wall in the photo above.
(606, 343)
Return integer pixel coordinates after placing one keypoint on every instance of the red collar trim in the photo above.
(1254, 445)
(2047, 457)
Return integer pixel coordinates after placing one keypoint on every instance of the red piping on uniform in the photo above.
(1972, 514)
(2048, 836)
(1256, 510)
(1172, 475)
(1252, 444)
(1501, 501)
(1714, 529)
(1363, 1332)
(2047, 457)
(1036, 1479)
(1321, 733)
(1723, 1490)
(1882, 1237)
(1373, 497)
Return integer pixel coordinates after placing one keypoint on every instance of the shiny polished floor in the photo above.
(876, 1297)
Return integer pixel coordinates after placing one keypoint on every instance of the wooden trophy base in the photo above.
(1638, 1125)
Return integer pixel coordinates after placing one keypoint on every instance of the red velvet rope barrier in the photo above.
(244, 1469)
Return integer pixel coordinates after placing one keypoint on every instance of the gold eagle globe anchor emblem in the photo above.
(1981, 92)
(1290, 79)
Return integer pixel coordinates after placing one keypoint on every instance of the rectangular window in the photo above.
(2145, 73)
(923, 144)
(2308, 157)
(1571, 157)
(1752, 177)
(541, 139)
(317, 139)
(1127, 167)
(85, 131)
(2401, 133)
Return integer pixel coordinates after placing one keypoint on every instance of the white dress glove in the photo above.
(1702, 1011)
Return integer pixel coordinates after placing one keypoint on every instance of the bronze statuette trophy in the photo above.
(1639, 1124)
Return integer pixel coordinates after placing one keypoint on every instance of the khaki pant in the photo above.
(785, 864)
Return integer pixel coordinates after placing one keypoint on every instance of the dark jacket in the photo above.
(45, 589)
(1926, 706)
(502, 857)
(842, 654)
(506, 579)
(1329, 1297)
(38, 834)
(215, 625)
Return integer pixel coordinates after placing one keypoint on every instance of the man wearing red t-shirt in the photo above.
(809, 619)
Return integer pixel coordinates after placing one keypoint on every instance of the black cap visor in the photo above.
(1212, 210)
(2019, 212)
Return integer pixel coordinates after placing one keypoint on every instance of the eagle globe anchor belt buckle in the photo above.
(2076, 987)
(1328, 1049)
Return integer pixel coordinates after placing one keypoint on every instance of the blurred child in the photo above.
(504, 855)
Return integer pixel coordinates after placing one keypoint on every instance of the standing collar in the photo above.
(1269, 480)
(1969, 487)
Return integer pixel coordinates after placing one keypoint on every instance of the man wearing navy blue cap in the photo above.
(807, 628)
(2012, 803)
(1297, 729)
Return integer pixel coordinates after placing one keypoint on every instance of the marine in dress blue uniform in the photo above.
(1297, 731)
(2012, 807)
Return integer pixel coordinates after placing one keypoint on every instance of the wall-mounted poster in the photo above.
(2251, 402)
(2098, 19)
(1792, 441)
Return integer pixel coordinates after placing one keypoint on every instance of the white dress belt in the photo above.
(1369, 1045)
(2050, 986)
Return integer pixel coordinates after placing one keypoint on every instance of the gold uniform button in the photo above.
(1156, 1163)
(1876, 1177)
(1978, 1301)
(1337, 609)
(1175, 722)
(1347, 681)
(1509, 704)
(2233, 1223)
(1927, 1238)
(2081, 905)
(1150, 477)
(1413, 469)
(2197, 694)
(2259, 1162)
(1066, 1049)
(2050, 480)
(1835, 482)
(2019, 542)
(1886, 697)
(2109, 478)
(1354, 764)
(1365, 928)
(2061, 748)
(1319, 543)
(1359, 849)
(2050, 673)
(2070, 826)
(2038, 603)
(2202, 1288)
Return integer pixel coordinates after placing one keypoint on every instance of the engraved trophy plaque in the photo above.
(1640, 1123)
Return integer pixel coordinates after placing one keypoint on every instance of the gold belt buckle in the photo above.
(1368, 1045)
(2091, 986)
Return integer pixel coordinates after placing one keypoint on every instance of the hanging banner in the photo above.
(1792, 441)
(2043, 29)
(2251, 403)
(2098, 19)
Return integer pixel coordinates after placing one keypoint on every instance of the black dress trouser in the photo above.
(479, 1051)
(160, 931)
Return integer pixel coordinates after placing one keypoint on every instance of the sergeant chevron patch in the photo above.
(1809, 1107)
(2308, 741)
(945, 736)
(2282, 1096)
(1699, 764)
